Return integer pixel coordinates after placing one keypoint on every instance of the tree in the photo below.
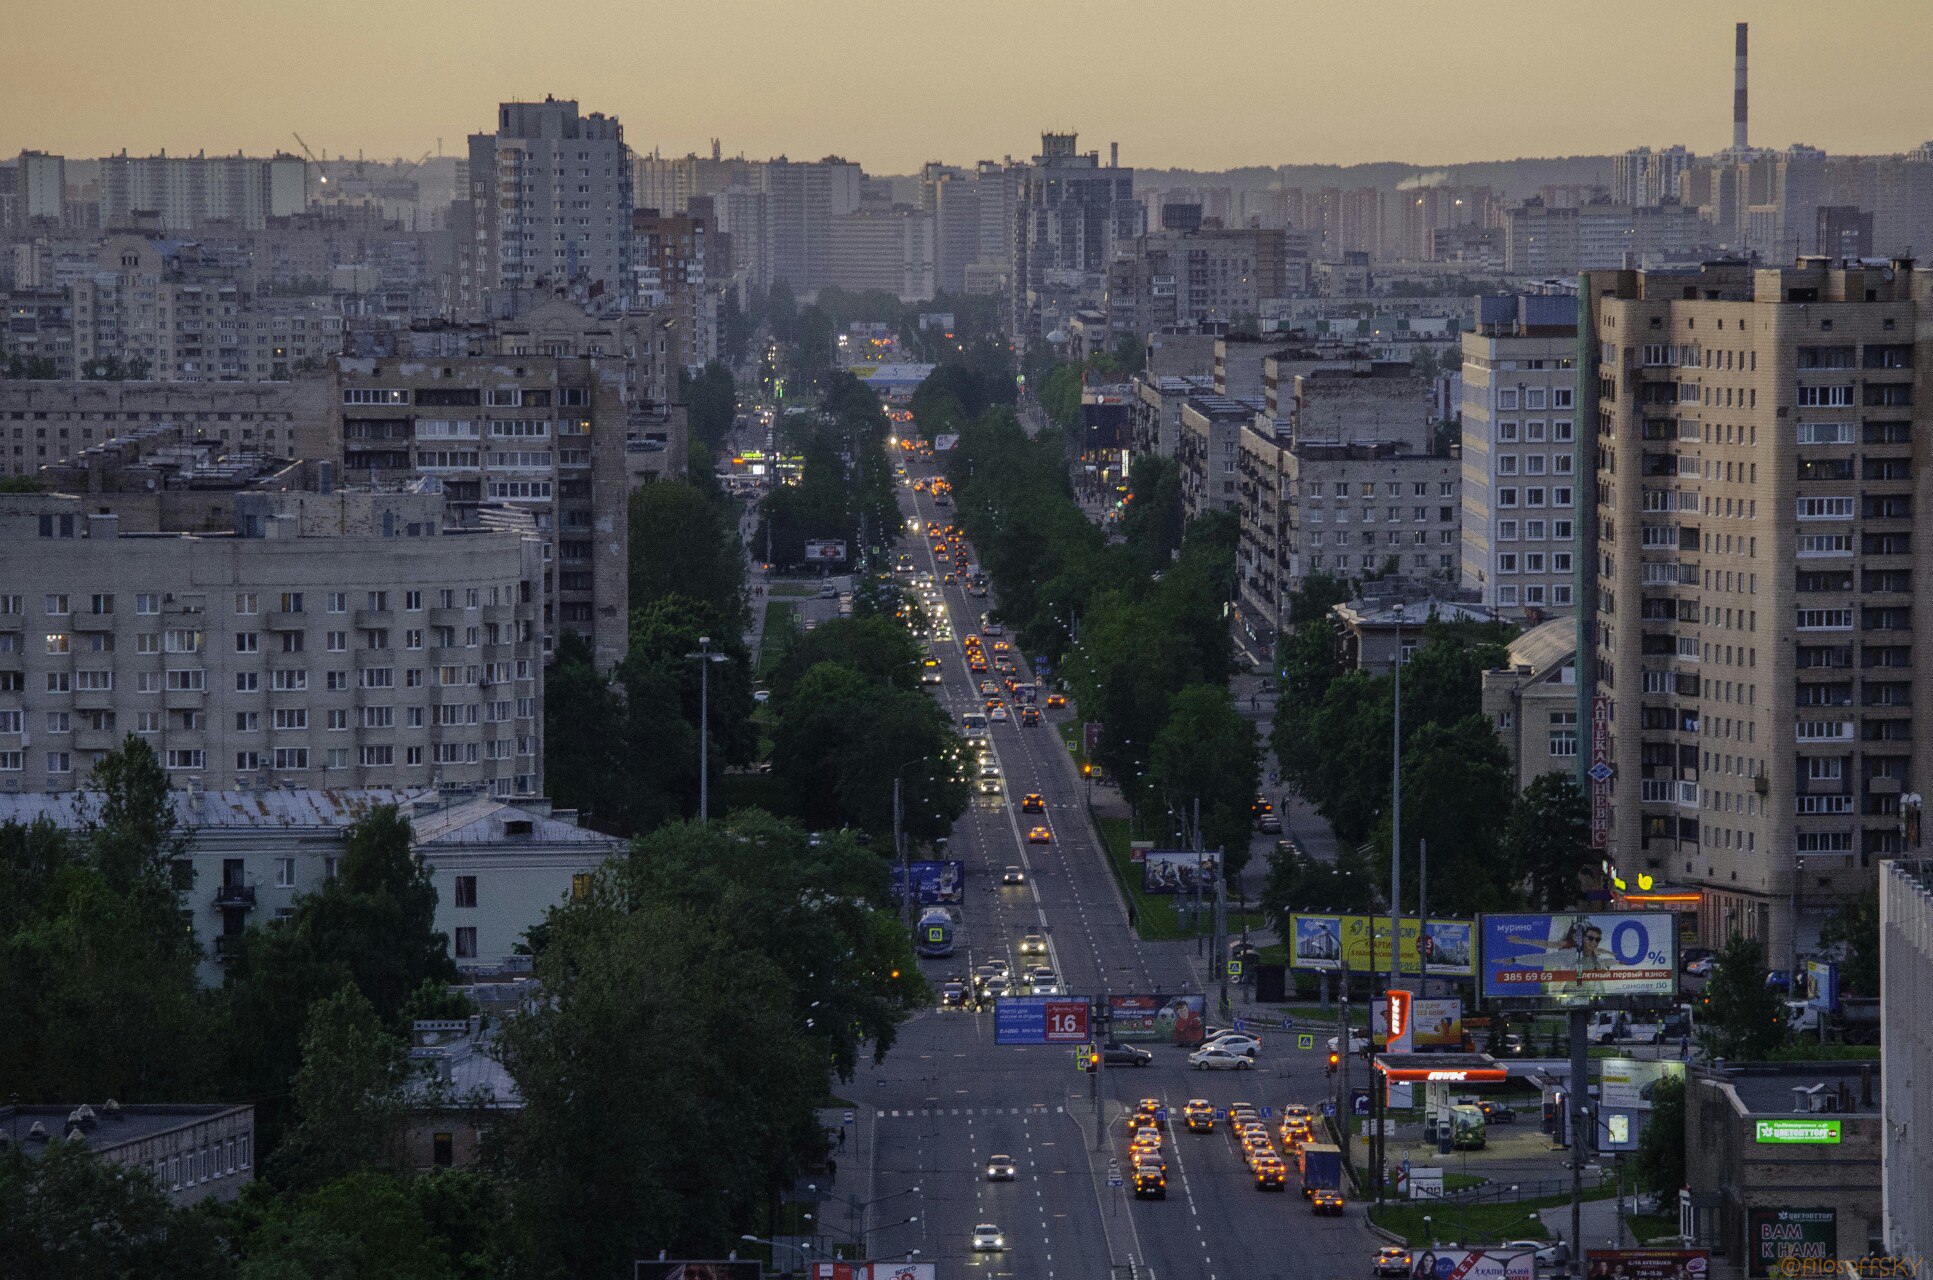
(1298, 882)
(350, 1099)
(583, 716)
(1744, 1019)
(1660, 1163)
(131, 821)
(711, 401)
(1457, 790)
(877, 647)
(1206, 753)
(66, 1214)
(1851, 934)
(367, 1224)
(682, 543)
(1152, 525)
(1546, 841)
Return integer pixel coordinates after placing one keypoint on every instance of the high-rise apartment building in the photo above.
(330, 640)
(1541, 239)
(890, 250)
(1070, 213)
(1519, 487)
(1642, 176)
(802, 199)
(673, 252)
(181, 193)
(1168, 279)
(1758, 443)
(550, 191)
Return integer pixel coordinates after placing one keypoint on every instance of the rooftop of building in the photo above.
(102, 1127)
(1418, 603)
(1547, 645)
(458, 1054)
(486, 820)
(1804, 1088)
(1219, 408)
(444, 817)
(1811, 281)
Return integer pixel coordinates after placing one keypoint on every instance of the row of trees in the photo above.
(1489, 846)
(1137, 627)
(845, 489)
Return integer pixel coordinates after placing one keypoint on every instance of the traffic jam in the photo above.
(1274, 1157)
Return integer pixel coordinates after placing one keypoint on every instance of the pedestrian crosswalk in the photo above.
(911, 1113)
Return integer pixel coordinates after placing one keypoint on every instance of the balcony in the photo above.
(236, 896)
(1812, 806)
(227, 946)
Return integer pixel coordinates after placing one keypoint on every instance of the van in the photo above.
(974, 725)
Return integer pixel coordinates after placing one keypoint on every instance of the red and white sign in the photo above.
(1066, 1021)
(1399, 1007)
(1601, 772)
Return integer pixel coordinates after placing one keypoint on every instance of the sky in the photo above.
(1205, 84)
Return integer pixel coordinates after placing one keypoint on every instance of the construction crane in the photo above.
(313, 158)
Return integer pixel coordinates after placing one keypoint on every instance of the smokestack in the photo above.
(1738, 92)
(1114, 155)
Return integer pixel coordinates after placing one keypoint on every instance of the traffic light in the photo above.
(1335, 1060)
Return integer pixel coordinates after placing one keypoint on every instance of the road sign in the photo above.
(1161, 1115)
(1268, 1113)
(1235, 969)
(1241, 1024)
(1039, 1020)
(1359, 1102)
(848, 1117)
(1305, 1041)
(1114, 1179)
(1288, 1023)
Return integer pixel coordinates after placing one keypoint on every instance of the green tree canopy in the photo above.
(1206, 753)
(1547, 840)
(1744, 1020)
(350, 1098)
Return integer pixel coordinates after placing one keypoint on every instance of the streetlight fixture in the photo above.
(801, 1249)
(705, 658)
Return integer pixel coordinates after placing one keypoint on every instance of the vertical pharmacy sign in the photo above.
(1600, 772)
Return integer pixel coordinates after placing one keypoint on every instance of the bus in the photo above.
(974, 724)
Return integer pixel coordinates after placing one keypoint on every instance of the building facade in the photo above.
(194, 1152)
(1533, 701)
(1906, 1053)
(344, 640)
(1519, 487)
(551, 194)
(184, 192)
(1758, 444)
(45, 423)
(1070, 213)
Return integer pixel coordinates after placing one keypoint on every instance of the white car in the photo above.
(1043, 987)
(998, 713)
(1000, 1169)
(1218, 1059)
(988, 1238)
(1235, 1042)
(1547, 1253)
(1358, 1042)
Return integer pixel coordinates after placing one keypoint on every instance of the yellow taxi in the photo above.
(1200, 1114)
(1056, 699)
(1327, 1203)
(1040, 835)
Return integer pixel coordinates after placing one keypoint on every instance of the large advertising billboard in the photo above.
(1475, 1264)
(1443, 948)
(1647, 1264)
(1574, 959)
(1435, 1025)
(1626, 1084)
(1158, 1019)
(1807, 1236)
(827, 551)
(655, 1270)
(932, 881)
(1177, 871)
(874, 1270)
(1039, 1020)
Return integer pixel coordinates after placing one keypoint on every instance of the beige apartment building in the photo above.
(44, 423)
(1760, 447)
(333, 640)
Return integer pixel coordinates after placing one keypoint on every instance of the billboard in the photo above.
(1475, 1264)
(1039, 1020)
(1601, 771)
(1177, 870)
(944, 442)
(826, 551)
(1443, 949)
(696, 1270)
(1163, 1019)
(874, 1270)
(933, 881)
(1822, 985)
(1626, 1084)
(1809, 1236)
(1435, 1026)
(1574, 958)
(1647, 1264)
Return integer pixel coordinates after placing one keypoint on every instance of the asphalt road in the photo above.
(947, 1097)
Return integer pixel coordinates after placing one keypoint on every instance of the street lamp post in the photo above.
(705, 658)
(1396, 817)
(801, 1249)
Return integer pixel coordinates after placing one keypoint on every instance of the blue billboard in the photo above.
(1039, 1020)
(932, 881)
(1570, 958)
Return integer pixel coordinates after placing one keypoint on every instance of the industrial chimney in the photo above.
(1738, 92)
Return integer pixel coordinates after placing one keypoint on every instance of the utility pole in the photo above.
(905, 865)
(1422, 907)
(1094, 1082)
(1345, 1108)
(1583, 1126)
(1217, 958)
(705, 659)
(1196, 840)
(1396, 813)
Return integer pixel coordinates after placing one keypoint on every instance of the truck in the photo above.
(1320, 1166)
(1466, 1127)
(1854, 1021)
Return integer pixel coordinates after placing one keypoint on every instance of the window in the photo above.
(285, 873)
(379, 755)
(59, 642)
(185, 759)
(147, 604)
(376, 678)
(288, 681)
(1825, 433)
(100, 606)
(245, 602)
(1506, 497)
(466, 891)
(1832, 397)
(189, 681)
(443, 1150)
(248, 642)
(291, 718)
(413, 601)
(1563, 733)
(290, 602)
(60, 762)
(291, 757)
(466, 942)
(1825, 508)
(57, 606)
(93, 681)
(338, 602)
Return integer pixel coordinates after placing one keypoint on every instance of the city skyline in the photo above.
(771, 80)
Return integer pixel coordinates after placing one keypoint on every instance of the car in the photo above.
(1040, 835)
(1035, 971)
(1326, 1204)
(1297, 1112)
(953, 995)
(1393, 1260)
(761, 696)
(1033, 944)
(972, 641)
(1030, 717)
(1236, 1042)
(1116, 1054)
(1269, 824)
(1495, 1112)
(949, 579)
(1271, 1174)
(1548, 1253)
(1213, 1059)
(1200, 1114)
(984, 973)
(1000, 1169)
(1702, 967)
(1013, 875)
(997, 987)
(990, 786)
(1149, 1183)
(988, 1238)
(998, 712)
(1153, 1160)
(1358, 1042)
(1693, 955)
(1033, 803)
(986, 686)
(1056, 700)
(1150, 1110)
(1514, 1045)
(976, 666)
(1043, 987)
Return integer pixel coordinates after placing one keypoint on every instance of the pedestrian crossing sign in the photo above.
(1305, 1041)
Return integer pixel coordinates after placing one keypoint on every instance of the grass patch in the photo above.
(1813, 1051)
(1646, 1227)
(1489, 1220)
(1157, 917)
(781, 624)
(792, 590)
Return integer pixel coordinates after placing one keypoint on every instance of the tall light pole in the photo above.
(1396, 817)
(705, 658)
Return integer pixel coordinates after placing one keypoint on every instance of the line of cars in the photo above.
(1148, 1163)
